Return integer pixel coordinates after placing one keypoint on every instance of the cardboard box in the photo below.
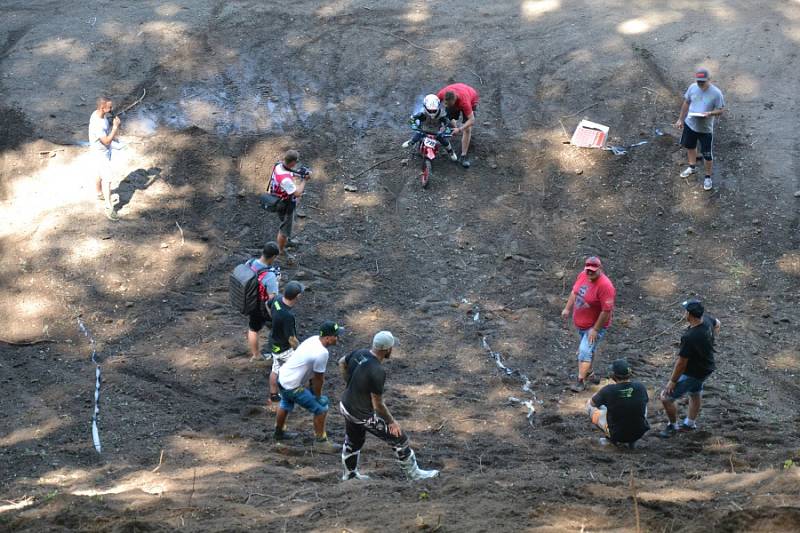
(590, 134)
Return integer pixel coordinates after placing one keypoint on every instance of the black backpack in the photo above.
(246, 291)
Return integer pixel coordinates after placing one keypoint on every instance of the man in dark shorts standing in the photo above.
(620, 409)
(461, 101)
(287, 183)
(283, 337)
(363, 410)
(268, 277)
(701, 103)
(695, 363)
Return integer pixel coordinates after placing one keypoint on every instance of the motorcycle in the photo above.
(428, 148)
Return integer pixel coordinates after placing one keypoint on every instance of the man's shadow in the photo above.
(138, 180)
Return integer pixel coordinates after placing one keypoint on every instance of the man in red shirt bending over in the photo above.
(461, 101)
(592, 299)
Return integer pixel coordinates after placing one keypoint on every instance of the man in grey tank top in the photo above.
(701, 103)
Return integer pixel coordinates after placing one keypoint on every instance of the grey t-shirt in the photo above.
(701, 101)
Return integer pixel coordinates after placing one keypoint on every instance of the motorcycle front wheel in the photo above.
(426, 172)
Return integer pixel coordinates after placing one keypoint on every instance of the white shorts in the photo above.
(102, 166)
(279, 358)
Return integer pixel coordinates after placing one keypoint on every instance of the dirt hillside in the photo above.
(476, 267)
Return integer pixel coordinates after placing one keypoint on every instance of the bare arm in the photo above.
(316, 383)
(717, 325)
(680, 367)
(113, 133)
(383, 412)
(682, 117)
(568, 307)
(293, 342)
(601, 320)
(301, 187)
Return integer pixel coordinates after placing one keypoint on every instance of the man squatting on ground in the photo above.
(591, 302)
(288, 184)
(695, 363)
(268, 277)
(620, 409)
(432, 119)
(364, 410)
(283, 336)
(101, 133)
(701, 103)
(308, 362)
(461, 102)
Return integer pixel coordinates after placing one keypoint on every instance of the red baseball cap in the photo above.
(593, 263)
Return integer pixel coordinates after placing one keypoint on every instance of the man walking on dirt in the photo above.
(620, 409)
(461, 101)
(308, 362)
(102, 131)
(268, 278)
(701, 103)
(287, 184)
(283, 337)
(591, 303)
(695, 363)
(364, 410)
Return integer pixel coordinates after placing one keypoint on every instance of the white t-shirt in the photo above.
(311, 356)
(99, 126)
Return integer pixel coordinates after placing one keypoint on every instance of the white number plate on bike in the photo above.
(430, 143)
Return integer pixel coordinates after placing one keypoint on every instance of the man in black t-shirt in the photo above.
(620, 409)
(364, 410)
(695, 363)
(283, 337)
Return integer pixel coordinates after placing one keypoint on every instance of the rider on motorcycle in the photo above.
(431, 120)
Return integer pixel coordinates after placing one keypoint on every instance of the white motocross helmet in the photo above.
(431, 104)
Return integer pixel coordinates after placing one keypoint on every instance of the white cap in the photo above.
(383, 340)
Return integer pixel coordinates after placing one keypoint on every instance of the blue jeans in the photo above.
(586, 350)
(302, 397)
(686, 385)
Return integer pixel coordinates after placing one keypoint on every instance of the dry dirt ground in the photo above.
(484, 253)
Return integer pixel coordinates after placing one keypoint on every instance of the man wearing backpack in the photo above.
(268, 277)
(283, 337)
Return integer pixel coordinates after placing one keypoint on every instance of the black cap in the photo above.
(694, 307)
(329, 327)
(620, 368)
(270, 250)
(293, 290)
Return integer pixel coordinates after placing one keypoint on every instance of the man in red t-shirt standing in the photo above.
(461, 101)
(591, 303)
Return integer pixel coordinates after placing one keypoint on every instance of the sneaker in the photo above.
(111, 214)
(100, 196)
(453, 156)
(580, 386)
(465, 162)
(284, 435)
(707, 184)
(688, 171)
(604, 441)
(407, 143)
(668, 431)
(355, 474)
(686, 427)
(326, 446)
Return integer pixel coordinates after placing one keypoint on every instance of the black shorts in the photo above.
(690, 138)
(286, 210)
(456, 114)
(258, 319)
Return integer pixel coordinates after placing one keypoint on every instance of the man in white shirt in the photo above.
(307, 362)
(101, 133)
